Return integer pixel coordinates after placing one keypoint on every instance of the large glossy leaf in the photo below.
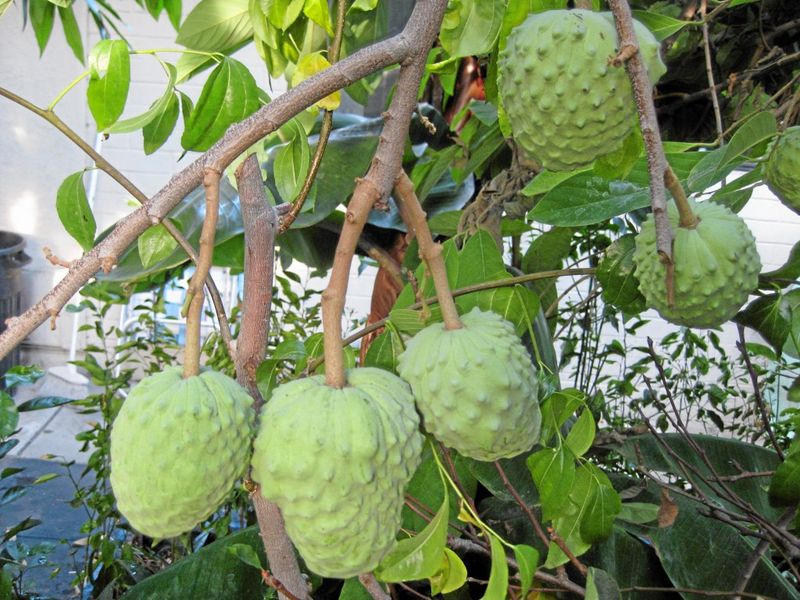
(229, 95)
(616, 275)
(726, 456)
(213, 572)
(109, 81)
(699, 552)
(553, 471)
(586, 198)
(418, 557)
(216, 25)
(471, 26)
(157, 132)
(770, 316)
(785, 485)
(787, 273)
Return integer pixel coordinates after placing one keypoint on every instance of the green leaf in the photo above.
(229, 95)
(74, 211)
(784, 489)
(471, 26)
(9, 417)
(418, 557)
(604, 506)
(354, 590)
(157, 132)
(43, 402)
(786, 274)
(616, 276)
(6, 584)
(22, 374)
(553, 472)
(211, 572)
(155, 244)
(24, 525)
(283, 13)
(546, 180)
(581, 434)
(547, 253)
(600, 586)
(527, 561)
(71, 31)
(45, 478)
(317, 11)
(498, 576)
(292, 161)
(567, 524)
(7, 446)
(384, 351)
(4, 4)
(736, 193)
(155, 110)
(216, 26)
(619, 163)
(770, 316)
(109, 81)
(660, 25)
(638, 512)
(452, 574)
(246, 554)
(718, 164)
(556, 409)
(42, 15)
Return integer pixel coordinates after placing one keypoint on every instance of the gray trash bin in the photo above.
(12, 259)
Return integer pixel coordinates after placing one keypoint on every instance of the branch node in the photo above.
(55, 260)
(53, 314)
(625, 53)
(107, 263)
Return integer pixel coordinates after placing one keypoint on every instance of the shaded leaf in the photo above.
(616, 276)
(216, 25)
(452, 574)
(74, 212)
(246, 554)
(9, 417)
(784, 489)
(600, 586)
(770, 316)
(498, 576)
(553, 472)
(527, 561)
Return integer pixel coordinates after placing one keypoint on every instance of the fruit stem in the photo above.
(687, 220)
(193, 307)
(429, 251)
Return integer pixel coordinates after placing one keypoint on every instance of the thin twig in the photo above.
(710, 72)
(762, 407)
(277, 585)
(559, 541)
(373, 587)
(758, 552)
(324, 132)
(537, 526)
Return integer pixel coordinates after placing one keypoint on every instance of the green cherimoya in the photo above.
(566, 104)
(716, 267)
(177, 448)
(476, 387)
(782, 171)
(336, 462)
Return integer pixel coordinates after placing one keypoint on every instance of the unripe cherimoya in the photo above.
(476, 387)
(336, 462)
(716, 266)
(566, 104)
(782, 170)
(177, 448)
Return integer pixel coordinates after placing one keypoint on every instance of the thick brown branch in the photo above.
(238, 138)
(429, 251)
(260, 224)
(656, 161)
(375, 186)
(373, 587)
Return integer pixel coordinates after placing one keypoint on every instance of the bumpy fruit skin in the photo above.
(566, 105)
(177, 448)
(782, 170)
(476, 387)
(336, 462)
(716, 267)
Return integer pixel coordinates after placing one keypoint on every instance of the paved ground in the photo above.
(47, 440)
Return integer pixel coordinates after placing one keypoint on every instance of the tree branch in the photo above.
(429, 251)
(238, 138)
(656, 161)
(260, 224)
(109, 169)
(373, 587)
(375, 186)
